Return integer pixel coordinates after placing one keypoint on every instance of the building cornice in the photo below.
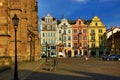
(15, 9)
(5, 35)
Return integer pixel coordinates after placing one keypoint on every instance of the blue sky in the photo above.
(107, 10)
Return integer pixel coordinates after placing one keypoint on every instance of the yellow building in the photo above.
(96, 38)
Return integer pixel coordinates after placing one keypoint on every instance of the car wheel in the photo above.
(108, 59)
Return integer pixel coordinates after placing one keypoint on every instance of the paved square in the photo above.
(79, 69)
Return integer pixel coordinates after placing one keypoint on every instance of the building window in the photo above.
(84, 37)
(43, 34)
(53, 27)
(92, 38)
(48, 34)
(59, 31)
(60, 38)
(54, 35)
(44, 27)
(75, 45)
(52, 41)
(48, 28)
(80, 31)
(69, 44)
(85, 44)
(64, 32)
(92, 31)
(79, 22)
(69, 38)
(84, 30)
(65, 44)
(69, 31)
(53, 47)
(100, 30)
(74, 38)
(74, 31)
(100, 38)
(64, 38)
(96, 24)
(93, 45)
(80, 37)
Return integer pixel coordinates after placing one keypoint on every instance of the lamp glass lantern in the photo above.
(15, 21)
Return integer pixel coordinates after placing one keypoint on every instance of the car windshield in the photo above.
(53, 54)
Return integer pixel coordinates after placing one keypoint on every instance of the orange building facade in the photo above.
(80, 38)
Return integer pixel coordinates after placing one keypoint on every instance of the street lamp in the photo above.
(15, 21)
(46, 50)
(79, 42)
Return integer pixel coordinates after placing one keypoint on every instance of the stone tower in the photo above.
(4, 28)
(27, 31)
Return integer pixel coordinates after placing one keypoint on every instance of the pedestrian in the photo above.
(86, 57)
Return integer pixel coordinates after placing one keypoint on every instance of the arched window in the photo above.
(69, 31)
(79, 22)
(96, 24)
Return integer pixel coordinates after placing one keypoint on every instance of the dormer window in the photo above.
(79, 22)
(96, 24)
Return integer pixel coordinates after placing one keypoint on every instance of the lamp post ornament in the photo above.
(15, 20)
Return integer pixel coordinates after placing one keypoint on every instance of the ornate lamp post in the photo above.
(79, 42)
(46, 51)
(15, 20)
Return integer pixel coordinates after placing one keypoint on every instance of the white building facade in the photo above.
(64, 38)
(114, 29)
(48, 26)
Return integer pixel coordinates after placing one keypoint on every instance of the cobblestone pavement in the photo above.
(79, 69)
(24, 69)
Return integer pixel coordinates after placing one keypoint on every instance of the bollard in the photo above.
(55, 63)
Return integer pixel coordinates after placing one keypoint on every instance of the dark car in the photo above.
(111, 57)
(43, 55)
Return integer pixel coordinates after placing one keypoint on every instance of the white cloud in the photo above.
(81, 1)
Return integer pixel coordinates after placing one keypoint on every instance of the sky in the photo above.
(107, 10)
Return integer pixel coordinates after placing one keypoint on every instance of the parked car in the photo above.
(111, 57)
(53, 55)
(43, 55)
(77, 55)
